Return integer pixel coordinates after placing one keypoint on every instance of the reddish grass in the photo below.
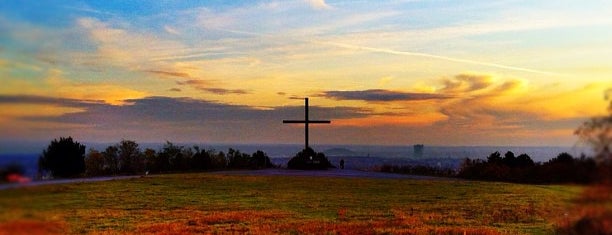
(190, 221)
(17, 227)
(592, 213)
(272, 222)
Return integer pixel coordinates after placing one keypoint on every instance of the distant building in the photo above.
(418, 150)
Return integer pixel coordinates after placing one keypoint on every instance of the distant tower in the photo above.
(418, 150)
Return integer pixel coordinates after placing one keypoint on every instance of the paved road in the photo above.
(265, 172)
(64, 181)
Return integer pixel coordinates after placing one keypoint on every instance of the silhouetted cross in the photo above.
(306, 122)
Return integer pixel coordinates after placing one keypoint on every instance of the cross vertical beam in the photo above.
(307, 122)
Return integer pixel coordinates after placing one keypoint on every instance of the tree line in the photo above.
(66, 158)
(562, 169)
(516, 169)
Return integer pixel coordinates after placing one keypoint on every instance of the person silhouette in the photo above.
(341, 163)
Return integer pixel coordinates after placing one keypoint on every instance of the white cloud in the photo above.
(128, 47)
(171, 30)
(318, 4)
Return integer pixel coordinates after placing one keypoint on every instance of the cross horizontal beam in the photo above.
(309, 121)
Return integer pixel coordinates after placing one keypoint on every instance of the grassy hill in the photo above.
(217, 203)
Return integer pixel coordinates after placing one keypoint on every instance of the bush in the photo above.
(63, 158)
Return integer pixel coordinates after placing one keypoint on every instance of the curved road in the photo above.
(264, 172)
(64, 181)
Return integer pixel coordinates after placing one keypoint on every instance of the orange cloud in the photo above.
(483, 106)
(55, 85)
(35, 110)
(477, 101)
(582, 102)
(463, 83)
(514, 107)
(108, 93)
(481, 102)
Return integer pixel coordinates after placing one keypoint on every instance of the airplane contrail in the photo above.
(408, 53)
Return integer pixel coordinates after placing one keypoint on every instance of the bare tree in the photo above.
(597, 132)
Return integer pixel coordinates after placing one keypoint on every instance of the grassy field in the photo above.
(216, 203)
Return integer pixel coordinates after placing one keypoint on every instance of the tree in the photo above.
(111, 158)
(184, 164)
(509, 159)
(170, 157)
(260, 160)
(130, 157)
(149, 160)
(494, 158)
(218, 160)
(236, 159)
(562, 158)
(524, 160)
(201, 159)
(95, 163)
(63, 158)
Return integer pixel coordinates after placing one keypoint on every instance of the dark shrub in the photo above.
(308, 159)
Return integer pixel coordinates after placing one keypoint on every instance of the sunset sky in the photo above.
(385, 72)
